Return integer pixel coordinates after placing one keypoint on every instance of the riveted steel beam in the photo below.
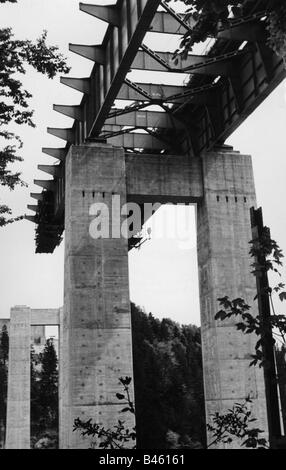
(59, 154)
(148, 91)
(144, 119)
(252, 79)
(109, 14)
(134, 140)
(54, 170)
(135, 20)
(164, 23)
(65, 134)
(46, 184)
(74, 112)
(33, 208)
(113, 129)
(79, 84)
(95, 53)
(195, 64)
(253, 31)
(31, 218)
(159, 93)
(37, 196)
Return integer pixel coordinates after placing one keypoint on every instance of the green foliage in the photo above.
(277, 30)
(4, 345)
(119, 436)
(47, 440)
(206, 17)
(15, 55)
(267, 257)
(266, 254)
(168, 382)
(48, 384)
(35, 405)
(268, 327)
(44, 391)
(236, 423)
(176, 441)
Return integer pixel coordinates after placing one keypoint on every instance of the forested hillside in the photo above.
(168, 383)
(44, 397)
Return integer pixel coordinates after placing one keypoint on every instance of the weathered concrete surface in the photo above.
(224, 232)
(18, 403)
(96, 334)
(163, 178)
(45, 317)
(95, 327)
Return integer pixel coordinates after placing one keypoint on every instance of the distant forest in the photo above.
(168, 380)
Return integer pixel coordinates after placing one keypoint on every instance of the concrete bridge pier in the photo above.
(224, 232)
(19, 378)
(95, 325)
(26, 325)
(96, 332)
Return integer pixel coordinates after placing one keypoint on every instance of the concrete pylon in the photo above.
(26, 327)
(224, 232)
(96, 332)
(19, 378)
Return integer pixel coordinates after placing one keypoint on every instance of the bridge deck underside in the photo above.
(224, 88)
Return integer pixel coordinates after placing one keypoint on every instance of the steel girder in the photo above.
(225, 86)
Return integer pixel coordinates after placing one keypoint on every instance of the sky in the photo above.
(163, 273)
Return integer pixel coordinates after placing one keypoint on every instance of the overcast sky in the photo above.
(163, 274)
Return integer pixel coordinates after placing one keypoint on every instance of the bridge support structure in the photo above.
(96, 330)
(95, 326)
(224, 233)
(97, 337)
(225, 85)
(18, 422)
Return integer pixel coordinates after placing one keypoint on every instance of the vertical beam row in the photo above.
(121, 48)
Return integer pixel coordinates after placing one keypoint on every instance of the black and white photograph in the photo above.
(142, 228)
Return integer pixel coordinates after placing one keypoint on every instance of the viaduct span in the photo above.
(175, 153)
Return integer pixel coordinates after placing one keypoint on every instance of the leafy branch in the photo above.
(268, 327)
(236, 423)
(267, 257)
(207, 17)
(14, 99)
(119, 435)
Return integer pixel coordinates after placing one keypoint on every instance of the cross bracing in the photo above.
(224, 86)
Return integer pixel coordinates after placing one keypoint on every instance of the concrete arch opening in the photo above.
(163, 269)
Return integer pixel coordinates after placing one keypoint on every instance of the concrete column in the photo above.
(224, 233)
(96, 332)
(18, 403)
(60, 367)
